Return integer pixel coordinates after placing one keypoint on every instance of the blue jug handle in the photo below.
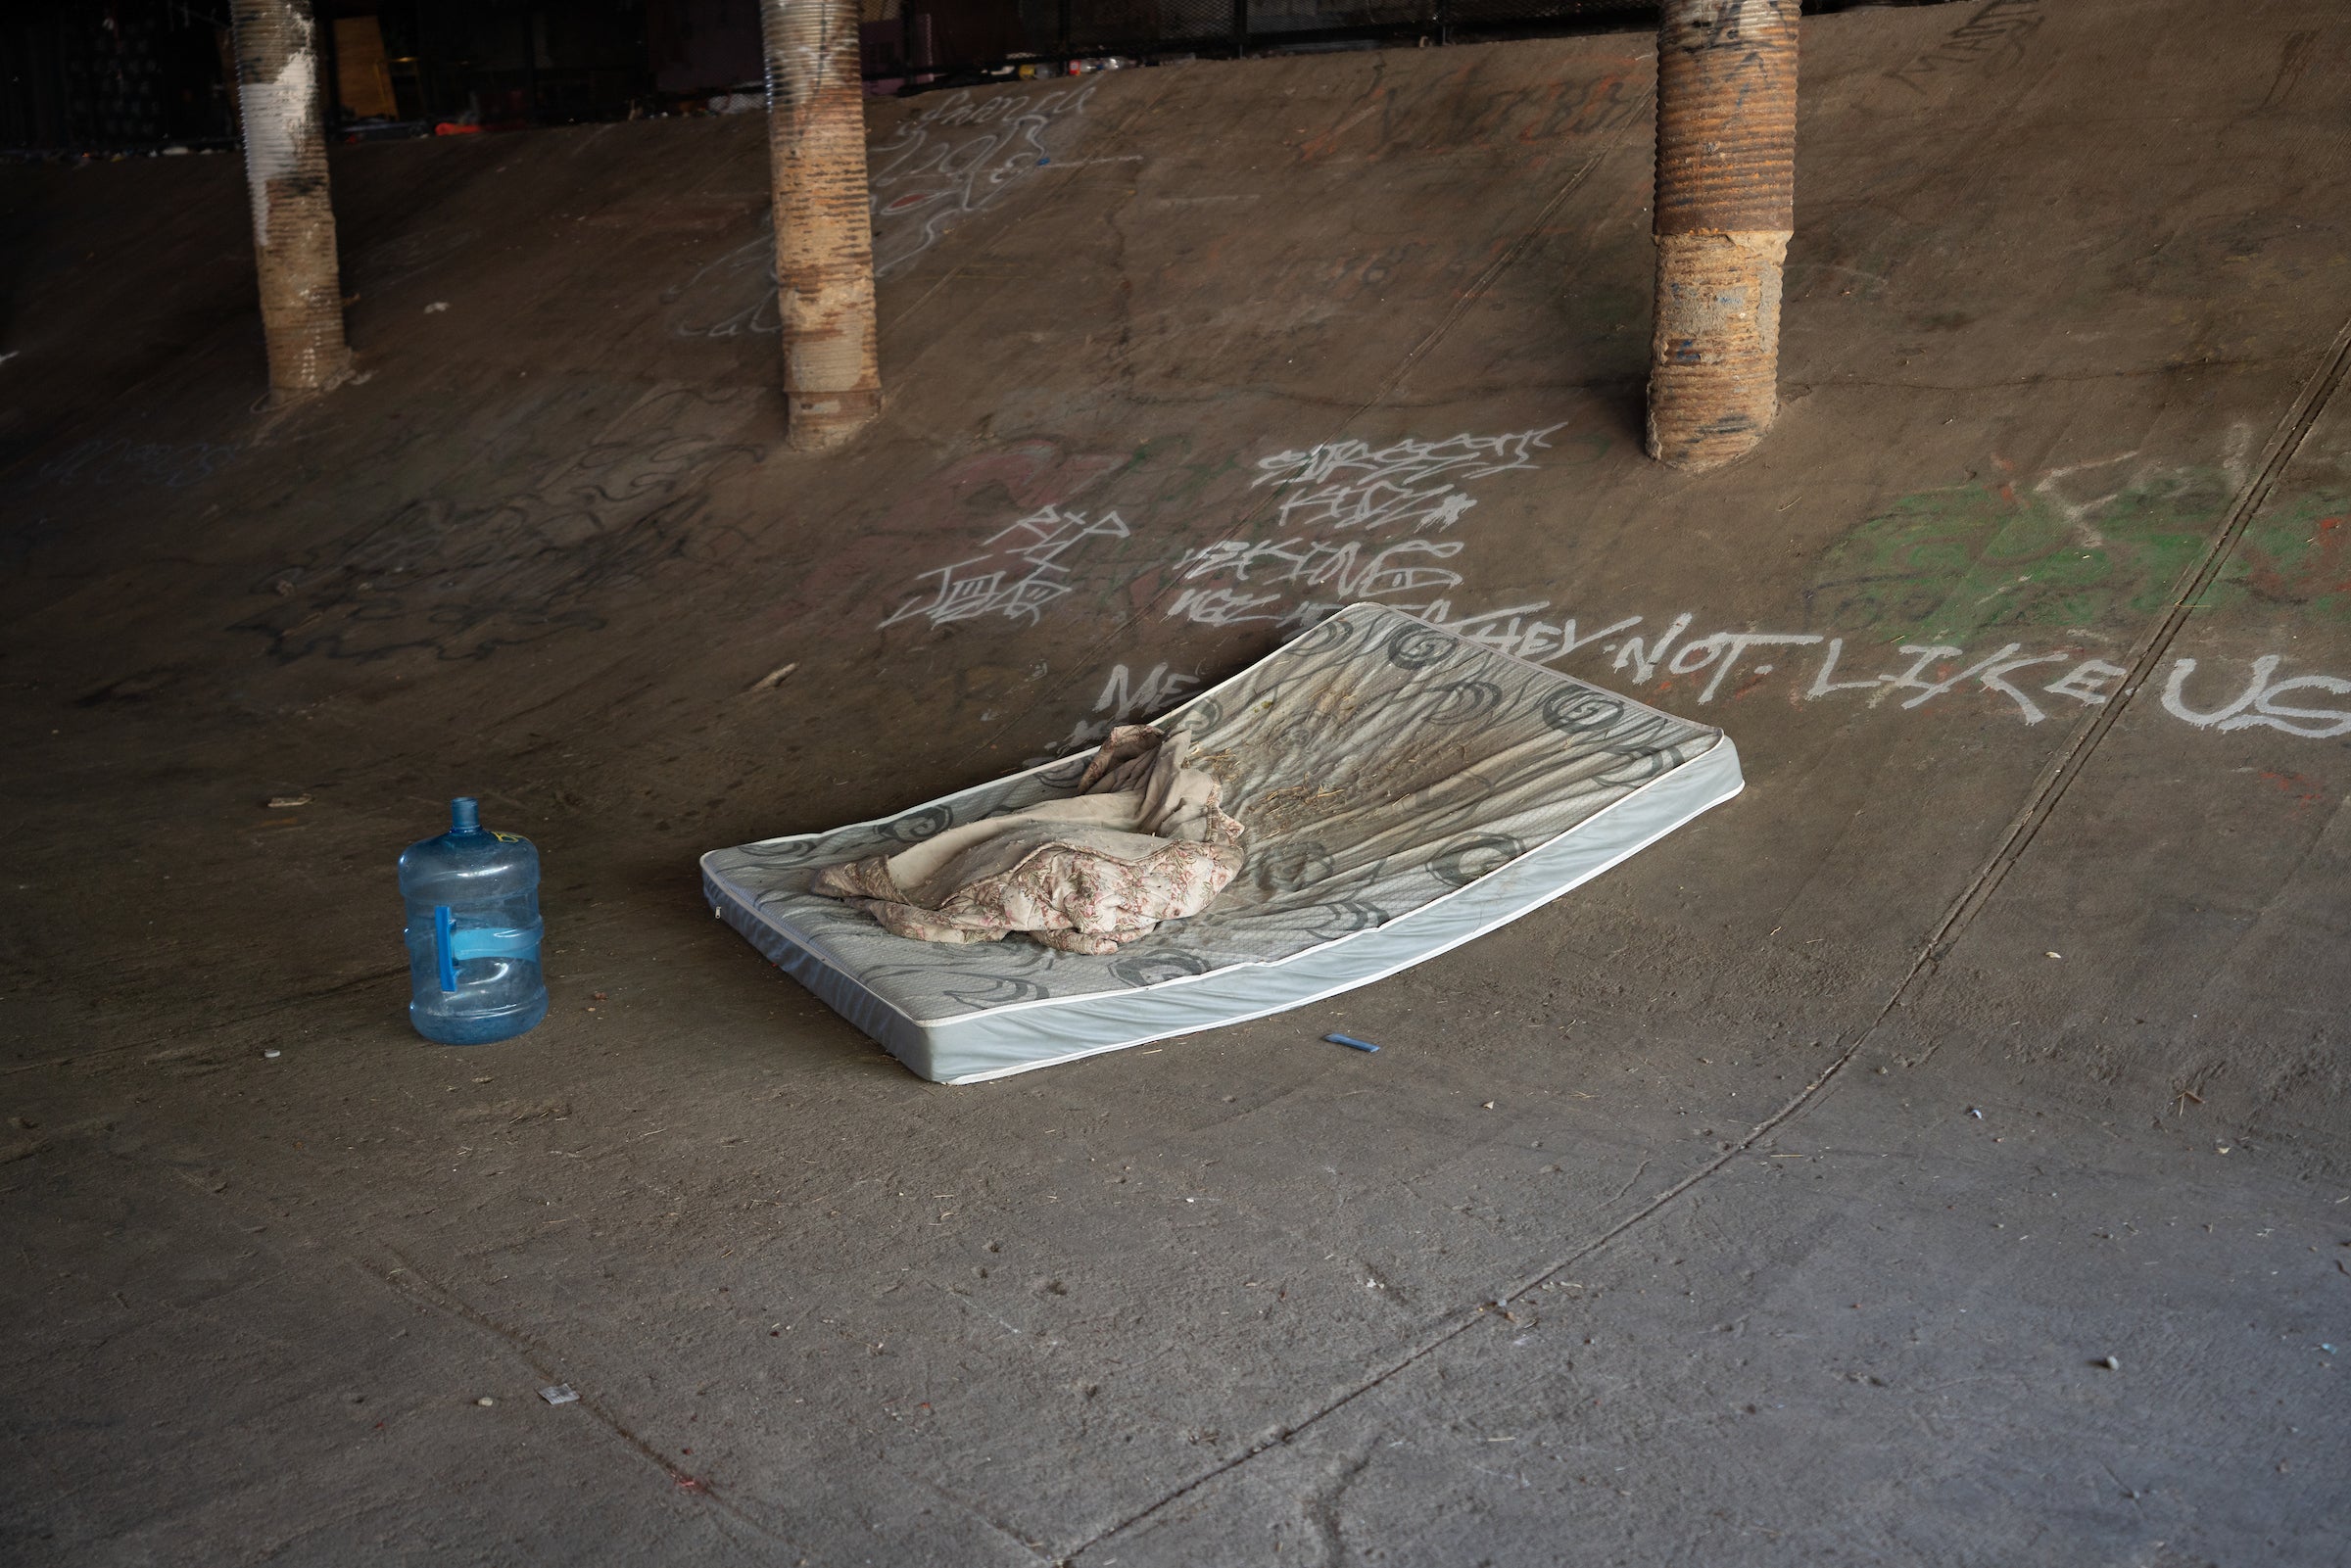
(452, 944)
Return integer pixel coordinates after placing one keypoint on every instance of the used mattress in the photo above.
(1405, 790)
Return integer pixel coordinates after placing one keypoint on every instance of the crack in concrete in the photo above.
(1447, 1334)
(1628, 1182)
(2293, 429)
(447, 1302)
(2049, 788)
(963, 1505)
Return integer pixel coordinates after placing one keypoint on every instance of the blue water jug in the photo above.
(473, 933)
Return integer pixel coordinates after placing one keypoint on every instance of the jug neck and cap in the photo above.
(464, 815)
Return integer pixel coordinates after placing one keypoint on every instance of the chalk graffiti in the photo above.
(1122, 700)
(396, 260)
(1981, 566)
(459, 580)
(102, 462)
(1359, 486)
(2083, 544)
(1364, 495)
(1481, 106)
(1409, 485)
(744, 281)
(2257, 702)
(124, 461)
(1926, 671)
(1935, 580)
(967, 590)
(1344, 569)
(1994, 37)
(957, 158)
(1721, 668)
(954, 158)
(1349, 278)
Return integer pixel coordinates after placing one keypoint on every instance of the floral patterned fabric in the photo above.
(1143, 842)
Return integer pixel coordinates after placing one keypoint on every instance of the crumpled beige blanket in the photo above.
(1141, 841)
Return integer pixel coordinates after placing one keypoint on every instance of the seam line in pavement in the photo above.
(2049, 788)
(440, 1298)
(1447, 1334)
(2293, 429)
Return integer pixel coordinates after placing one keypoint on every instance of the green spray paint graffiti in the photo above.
(1983, 557)
(2300, 558)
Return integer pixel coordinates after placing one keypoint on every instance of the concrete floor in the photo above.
(1665, 1229)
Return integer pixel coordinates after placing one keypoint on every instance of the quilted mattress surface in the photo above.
(1405, 790)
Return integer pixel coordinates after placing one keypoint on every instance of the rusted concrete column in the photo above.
(824, 235)
(1725, 206)
(279, 110)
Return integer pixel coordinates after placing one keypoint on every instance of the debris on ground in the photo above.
(2108, 1362)
(485, 1401)
(1349, 1039)
(285, 802)
(559, 1394)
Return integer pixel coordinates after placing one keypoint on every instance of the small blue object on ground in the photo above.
(1349, 1039)
(473, 933)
